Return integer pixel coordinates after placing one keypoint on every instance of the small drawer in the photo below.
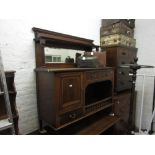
(97, 75)
(123, 79)
(122, 61)
(123, 84)
(122, 72)
(123, 53)
(70, 116)
(123, 57)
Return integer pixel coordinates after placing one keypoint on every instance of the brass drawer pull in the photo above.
(70, 86)
(122, 73)
(73, 116)
(123, 53)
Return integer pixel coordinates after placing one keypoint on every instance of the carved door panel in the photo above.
(70, 96)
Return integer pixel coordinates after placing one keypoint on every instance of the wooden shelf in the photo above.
(5, 124)
(87, 114)
(99, 126)
(1, 93)
(10, 92)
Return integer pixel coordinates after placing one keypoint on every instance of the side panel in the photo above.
(46, 97)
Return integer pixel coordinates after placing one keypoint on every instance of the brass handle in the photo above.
(122, 73)
(123, 53)
(70, 86)
(72, 116)
(112, 114)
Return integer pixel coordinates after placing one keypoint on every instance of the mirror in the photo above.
(60, 55)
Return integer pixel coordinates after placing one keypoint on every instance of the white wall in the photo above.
(16, 43)
(145, 35)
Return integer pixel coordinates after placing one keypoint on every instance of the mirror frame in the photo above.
(46, 38)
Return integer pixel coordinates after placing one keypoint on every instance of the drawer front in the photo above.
(126, 55)
(98, 75)
(70, 116)
(122, 56)
(123, 85)
(122, 106)
(123, 79)
(122, 109)
(118, 28)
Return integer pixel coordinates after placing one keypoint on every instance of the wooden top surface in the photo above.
(69, 69)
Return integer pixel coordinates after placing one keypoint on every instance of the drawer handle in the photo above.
(123, 53)
(73, 116)
(128, 32)
(122, 73)
(70, 86)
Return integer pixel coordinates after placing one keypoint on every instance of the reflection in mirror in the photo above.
(58, 55)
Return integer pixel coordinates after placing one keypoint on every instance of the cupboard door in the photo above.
(70, 92)
(122, 109)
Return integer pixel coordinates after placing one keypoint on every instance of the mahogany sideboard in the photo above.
(67, 96)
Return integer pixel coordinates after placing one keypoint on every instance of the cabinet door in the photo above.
(70, 92)
(122, 109)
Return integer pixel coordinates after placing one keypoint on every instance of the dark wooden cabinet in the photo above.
(122, 110)
(117, 56)
(66, 96)
(117, 40)
(70, 91)
(10, 75)
(72, 100)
